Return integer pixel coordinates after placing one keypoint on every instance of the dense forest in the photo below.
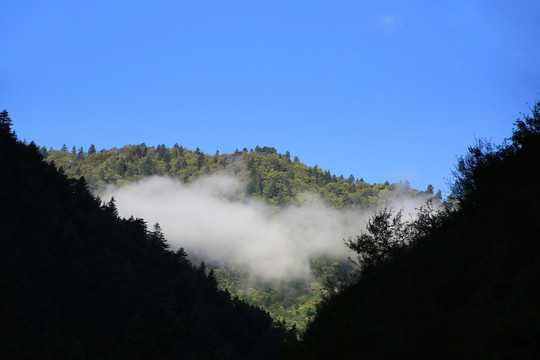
(78, 282)
(268, 175)
(271, 176)
(460, 283)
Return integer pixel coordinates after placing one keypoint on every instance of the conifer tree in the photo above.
(92, 149)
(5, 122)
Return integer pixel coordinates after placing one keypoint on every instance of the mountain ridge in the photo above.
(270, 175)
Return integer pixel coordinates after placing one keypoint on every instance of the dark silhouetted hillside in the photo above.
(468, 284)
(78, 282)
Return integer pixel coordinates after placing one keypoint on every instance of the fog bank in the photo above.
(212, 218)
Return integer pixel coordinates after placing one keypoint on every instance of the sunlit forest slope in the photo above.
(269, 175)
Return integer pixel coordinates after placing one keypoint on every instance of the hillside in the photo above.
(269, 175)
(459, 284)
(78, 282)
(275, 178)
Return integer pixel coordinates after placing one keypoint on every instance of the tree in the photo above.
(404, 185)
(527, 129)
(80, 154)
(64, 148)
(148, 167)
(5, 122)
(429, 189)
(44, 152)
(92, 149)
(200, 158)
(386, 235)
(157, 238)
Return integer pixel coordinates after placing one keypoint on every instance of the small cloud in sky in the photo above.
(389, 22)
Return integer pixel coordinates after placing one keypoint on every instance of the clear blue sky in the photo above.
(382, 90)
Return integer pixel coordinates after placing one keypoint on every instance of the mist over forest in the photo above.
(271, 228)
(214, 218)
(87, 278)
(270, 180)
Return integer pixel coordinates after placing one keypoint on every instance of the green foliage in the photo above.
(269, 175)
(294, 302)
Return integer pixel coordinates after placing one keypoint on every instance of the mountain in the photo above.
(268, 174)
(278, 179)
(78, 282)
(459, 284)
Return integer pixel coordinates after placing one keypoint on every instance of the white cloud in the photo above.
(213, 219)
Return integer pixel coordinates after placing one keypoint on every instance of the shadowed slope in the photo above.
(76, 281)
(468, 288)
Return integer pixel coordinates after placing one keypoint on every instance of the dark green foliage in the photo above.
(294, 301)
(92, 149)
(78, 282)
(268, 174)
(80, 154)
(44, 152)
(466, 284)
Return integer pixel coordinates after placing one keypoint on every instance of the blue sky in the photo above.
(383, 90)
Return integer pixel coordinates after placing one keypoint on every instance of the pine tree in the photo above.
(92, 149)
(80, 154)
(5, 122)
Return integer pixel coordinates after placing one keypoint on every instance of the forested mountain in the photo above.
(459, 284)
(78, 282)
(269, 175)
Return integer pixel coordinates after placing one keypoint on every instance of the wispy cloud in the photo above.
(214, 220)
(389, 22)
